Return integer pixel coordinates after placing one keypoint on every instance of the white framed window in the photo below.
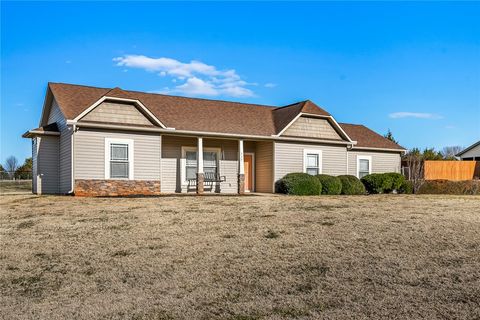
(312, 161)
(364, 166)
(211, 158)
(118, 159)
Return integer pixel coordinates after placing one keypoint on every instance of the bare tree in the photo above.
(450, 152)
(11, 165)
(414, 160)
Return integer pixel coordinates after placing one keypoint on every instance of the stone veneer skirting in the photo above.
(101, 188)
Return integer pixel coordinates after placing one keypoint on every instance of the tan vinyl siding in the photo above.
(472, 153)
(381, 161)
(48, 165)
(65, 151)
(90, 153)
(289, 158)
(171, 164)
(117, 113)
(264, 167)
(312, 128)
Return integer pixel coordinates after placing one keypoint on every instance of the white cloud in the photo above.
(270, 85)
(198, 78)
(419, 115)
(196, 86)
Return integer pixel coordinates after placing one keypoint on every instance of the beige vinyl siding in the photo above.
(312, 128)
(90, 153)
(381, 161)
(264, 167)
(117, 113)
(289, 158)
(47, 165)
(65, 151)
(172, 161)
(34, 165)
(472, 153)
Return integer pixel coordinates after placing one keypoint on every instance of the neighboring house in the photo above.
(470, 153)
(96, 141)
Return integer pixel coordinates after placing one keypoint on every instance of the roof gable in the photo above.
(312, 127)
(111, 111)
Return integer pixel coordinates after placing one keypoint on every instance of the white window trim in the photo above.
(129, 142)
(370, 163)
(183, 160)
(320, 160)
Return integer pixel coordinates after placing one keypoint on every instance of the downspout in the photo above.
(349, 147)
(72, 188)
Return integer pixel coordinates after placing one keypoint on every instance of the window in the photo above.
(312, 161)
(210, 161)
(118, 159)
(364, 166)
(191, 164)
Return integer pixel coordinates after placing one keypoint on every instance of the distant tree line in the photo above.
(12, 169)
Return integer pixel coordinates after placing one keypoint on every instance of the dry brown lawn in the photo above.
(243, 258)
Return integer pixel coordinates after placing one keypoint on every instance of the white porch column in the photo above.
(200, 175)
(241, 168)
(241, 164)
(200, 155)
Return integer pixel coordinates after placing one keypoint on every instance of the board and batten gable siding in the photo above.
(382, 161)
(114, 112)
(47, 163)
(65, 147)
(89, 153)
(172, 162)
(289, 158)
(264, 166)
(312, 128)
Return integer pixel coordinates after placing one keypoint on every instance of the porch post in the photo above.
(200, 175)
(241, 168)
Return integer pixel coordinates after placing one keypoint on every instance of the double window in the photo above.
(364, 166)
(210, 161)
(118, 159)
(312, 161)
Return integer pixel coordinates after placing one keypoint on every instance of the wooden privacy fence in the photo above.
(451, 170)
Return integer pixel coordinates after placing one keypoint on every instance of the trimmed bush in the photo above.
(406, 187)
(330, 185)
(300, 184)
(377, 183)
(383, 182)
(397, 180)
(468, 187)
(351, 185)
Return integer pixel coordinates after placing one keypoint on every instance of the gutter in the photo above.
(172, 131)
(33, 133)
(378, 149)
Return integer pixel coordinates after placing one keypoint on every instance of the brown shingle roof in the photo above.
(368, 138)
(205, 115)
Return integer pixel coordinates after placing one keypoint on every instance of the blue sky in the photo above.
(410, 67)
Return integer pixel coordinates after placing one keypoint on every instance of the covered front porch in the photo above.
(212, 165)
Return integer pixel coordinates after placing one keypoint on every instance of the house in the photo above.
(470, 153)
(97, 142)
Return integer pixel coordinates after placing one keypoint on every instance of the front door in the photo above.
(248, 160)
